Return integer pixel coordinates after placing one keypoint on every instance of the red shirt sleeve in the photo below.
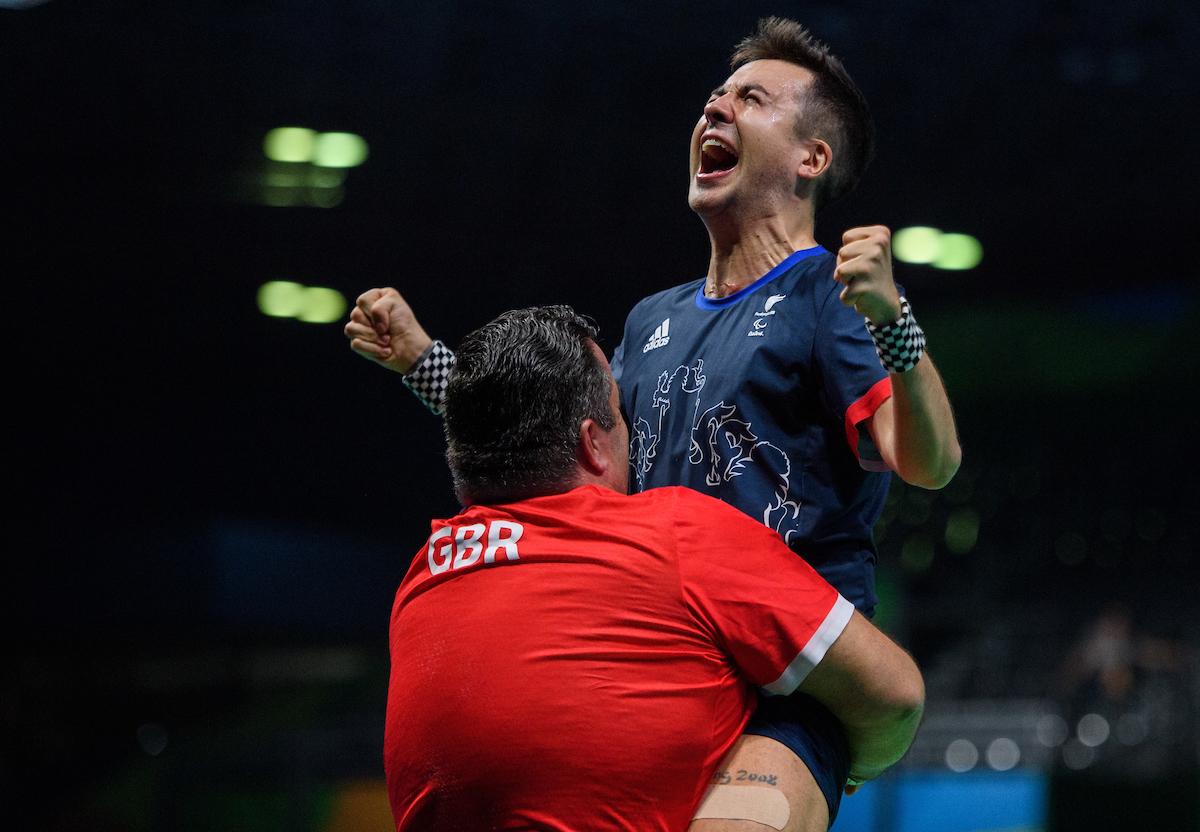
(765, 606)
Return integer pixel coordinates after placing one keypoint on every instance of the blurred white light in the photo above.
(961, 755)
(1092, 730)
(1052, 730)
(1132, 729)
(1003, 754)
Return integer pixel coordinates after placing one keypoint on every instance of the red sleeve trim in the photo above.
(865, 408)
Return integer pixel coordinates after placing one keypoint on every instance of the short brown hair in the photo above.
(836, 110)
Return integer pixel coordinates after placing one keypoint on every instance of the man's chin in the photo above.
(707, 201)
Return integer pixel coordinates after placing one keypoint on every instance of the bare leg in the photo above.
(762, 787)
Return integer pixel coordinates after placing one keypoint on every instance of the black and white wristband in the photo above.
(428, 378)
(900, 343)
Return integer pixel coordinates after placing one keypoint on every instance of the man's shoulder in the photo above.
(672, 296)
(811, 276)
(581, 501)
(694, 507)
(655, 503)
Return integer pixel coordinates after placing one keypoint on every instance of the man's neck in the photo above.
(742, 254)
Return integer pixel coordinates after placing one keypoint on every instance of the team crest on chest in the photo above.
(759, 327)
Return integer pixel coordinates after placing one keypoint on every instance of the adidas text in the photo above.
(660, 337)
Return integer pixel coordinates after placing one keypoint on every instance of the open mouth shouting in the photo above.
(717, 158)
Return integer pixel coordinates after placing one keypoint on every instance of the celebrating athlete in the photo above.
(789, 381)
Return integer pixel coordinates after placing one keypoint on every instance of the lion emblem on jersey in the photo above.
(731, 446)
(719, 440)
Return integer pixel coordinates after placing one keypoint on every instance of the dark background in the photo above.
(215, 506)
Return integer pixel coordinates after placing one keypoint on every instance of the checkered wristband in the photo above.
(429, 377)
(900, 343)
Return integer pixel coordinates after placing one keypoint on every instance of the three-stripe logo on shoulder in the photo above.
(660, 337)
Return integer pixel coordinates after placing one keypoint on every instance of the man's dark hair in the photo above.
(516, 397)
(834, 109)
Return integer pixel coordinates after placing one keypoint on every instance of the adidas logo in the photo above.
(660, 338)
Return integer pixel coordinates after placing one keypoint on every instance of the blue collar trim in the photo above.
(729, 300)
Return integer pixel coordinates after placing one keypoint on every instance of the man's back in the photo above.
(581, 660)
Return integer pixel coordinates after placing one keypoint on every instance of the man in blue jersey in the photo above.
(789, 380)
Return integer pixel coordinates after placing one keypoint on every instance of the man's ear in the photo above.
(593, 452)
(815, 159)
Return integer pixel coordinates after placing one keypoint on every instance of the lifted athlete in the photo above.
(789, 381)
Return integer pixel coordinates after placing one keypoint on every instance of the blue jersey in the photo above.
(758, 399)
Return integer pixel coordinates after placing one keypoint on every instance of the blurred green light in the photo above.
(283, 178)
(339, 150)
(962, 531)
(917, 553)
(326, 177)
(326, 197)
(322, 306)
(917, 244)
(281, 298)
(958, 252)
(290, 144)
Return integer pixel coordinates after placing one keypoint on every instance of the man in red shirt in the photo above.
(568, 657)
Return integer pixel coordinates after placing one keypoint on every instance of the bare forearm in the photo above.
(875, 747)
(925, 439)
(875, 690)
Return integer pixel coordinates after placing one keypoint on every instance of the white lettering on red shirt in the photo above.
(461, 547)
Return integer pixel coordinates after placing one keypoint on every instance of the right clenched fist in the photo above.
(383, 328)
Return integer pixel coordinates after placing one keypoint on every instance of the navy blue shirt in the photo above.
(758, 399)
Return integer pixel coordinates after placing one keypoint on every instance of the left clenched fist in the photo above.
(864, 267)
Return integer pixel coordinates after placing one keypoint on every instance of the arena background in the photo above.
(213, 505)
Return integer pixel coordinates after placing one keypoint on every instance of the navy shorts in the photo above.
(813, 734)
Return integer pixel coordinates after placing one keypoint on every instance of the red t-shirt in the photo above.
(580, 661)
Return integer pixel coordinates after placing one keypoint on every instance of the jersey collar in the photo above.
(729, 300)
